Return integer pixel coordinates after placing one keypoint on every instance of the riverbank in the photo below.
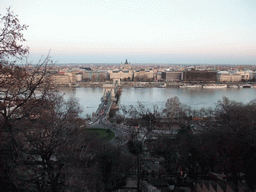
(132, 84)
(151, 84)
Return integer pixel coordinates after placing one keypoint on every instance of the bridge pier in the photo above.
(110, 93)
(109, 88)
(117, 81)
(115, 106)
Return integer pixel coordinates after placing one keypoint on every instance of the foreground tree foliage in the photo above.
(18, 86)
(220, 140)
(232, 139)
(42, 136)
(25, 101)
(44, 145)
(48, 144)
(225, 143)
(109, 169)
(11, 36)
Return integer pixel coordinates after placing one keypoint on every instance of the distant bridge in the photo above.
(109, 100)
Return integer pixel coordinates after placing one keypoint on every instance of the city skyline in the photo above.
(167, 32)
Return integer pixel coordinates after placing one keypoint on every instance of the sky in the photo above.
(142, 31)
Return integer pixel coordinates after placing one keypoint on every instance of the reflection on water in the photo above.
(89, 98)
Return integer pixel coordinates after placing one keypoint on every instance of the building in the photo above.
(120, 74)
(173, 76)
(254, 75)
(125, 73)
(235, 76)
(79, 77)
(200, 76)
(225, 76)
(62, 79)
(95, 75)
(159, 76)
(127, 66)
(246, 75)
(145, 75)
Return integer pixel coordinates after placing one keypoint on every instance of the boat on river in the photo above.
(139, 86)
(246, 86)
(190, 86)
(161, 86)
(233, 86)
(215, 86)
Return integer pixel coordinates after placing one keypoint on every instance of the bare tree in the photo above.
(25, 100)
(137, 78)
(102, 77)
(11, 35)
(44, 145)
(145, 78)
(109, 169)
(146, 121)
(51, 142)
(176, 112)
(94, 78)
(22, 89)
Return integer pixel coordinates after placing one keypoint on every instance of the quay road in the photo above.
(108, 102)
(121, 131)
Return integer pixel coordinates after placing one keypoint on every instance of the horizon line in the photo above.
(150, 63)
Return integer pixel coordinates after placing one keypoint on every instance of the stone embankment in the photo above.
(132, 84)
(148, 84)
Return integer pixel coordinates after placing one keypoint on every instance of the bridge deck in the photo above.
(107, 102)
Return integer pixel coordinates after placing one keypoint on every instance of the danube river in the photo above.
(89, 98)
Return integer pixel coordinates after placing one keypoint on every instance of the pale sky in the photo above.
(142, 31)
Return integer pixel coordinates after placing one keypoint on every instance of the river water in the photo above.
(89, 98)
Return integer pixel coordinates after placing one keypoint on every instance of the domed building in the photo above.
(126, 66)
(124, 73)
